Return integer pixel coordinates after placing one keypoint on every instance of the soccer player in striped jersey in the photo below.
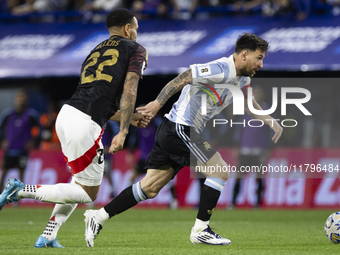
(179, 141)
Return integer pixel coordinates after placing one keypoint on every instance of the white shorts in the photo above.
(80, 139)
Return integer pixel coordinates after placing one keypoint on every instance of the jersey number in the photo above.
(99, 75)
(100, 153)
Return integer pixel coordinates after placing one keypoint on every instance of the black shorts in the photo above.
(17, 161)
(178, 146)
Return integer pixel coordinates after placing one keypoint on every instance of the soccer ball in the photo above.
(332, 227)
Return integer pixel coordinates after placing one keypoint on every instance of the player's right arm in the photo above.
(137, 63)
(168, 91)
(127, 104)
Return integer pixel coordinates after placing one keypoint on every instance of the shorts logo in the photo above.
(207, 146)
(204, 70)
(210, 212)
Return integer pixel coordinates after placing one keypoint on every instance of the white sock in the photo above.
(51, 230)
(200, 225)
(61, 193)
(29, 191)
(102, 216)
(59, 215)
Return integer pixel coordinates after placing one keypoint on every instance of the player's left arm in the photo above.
(267, 119)
(128, 101)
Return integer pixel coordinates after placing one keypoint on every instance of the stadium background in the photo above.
(43, 51)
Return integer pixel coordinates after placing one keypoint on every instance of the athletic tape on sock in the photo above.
(138, 192)
(215, 183)
(29, 191)
(51, 230)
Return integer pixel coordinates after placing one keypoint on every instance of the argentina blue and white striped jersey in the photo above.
(188, 108)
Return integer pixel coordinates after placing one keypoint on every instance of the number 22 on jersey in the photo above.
(99, 75)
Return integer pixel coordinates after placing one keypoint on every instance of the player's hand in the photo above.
(277, 129)
(117, 142)
(141, 120)
(151, 108)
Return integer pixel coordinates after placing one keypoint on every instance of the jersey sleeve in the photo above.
(214, 72)
(138, 61)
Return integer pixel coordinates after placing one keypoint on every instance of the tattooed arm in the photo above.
(174, 86)
(127, 105)
(168, 91)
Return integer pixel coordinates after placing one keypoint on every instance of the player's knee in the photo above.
(223, 172)
(226, 173)
(225, 177)
(91, 192)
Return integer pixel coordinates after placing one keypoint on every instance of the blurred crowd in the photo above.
(174, 9)
(23, 128)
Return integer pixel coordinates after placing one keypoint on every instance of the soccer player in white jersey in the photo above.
(179, 141)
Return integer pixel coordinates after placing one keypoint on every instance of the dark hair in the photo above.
(251, 42)
(119, 18)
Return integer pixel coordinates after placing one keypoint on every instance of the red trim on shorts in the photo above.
(78, 165)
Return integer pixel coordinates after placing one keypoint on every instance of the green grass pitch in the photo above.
(141, 231)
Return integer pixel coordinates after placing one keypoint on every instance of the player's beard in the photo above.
(248, 73)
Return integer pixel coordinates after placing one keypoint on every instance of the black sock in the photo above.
(208, 202)
(125, 200)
